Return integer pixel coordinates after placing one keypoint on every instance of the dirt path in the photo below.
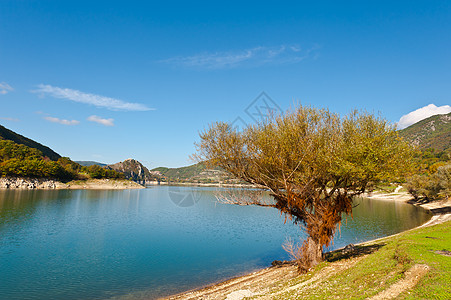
(413, 275)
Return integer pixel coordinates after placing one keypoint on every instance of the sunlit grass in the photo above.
(388, 263)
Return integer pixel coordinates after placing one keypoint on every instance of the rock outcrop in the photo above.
(29, 183)
(49, 184)
(134, 170)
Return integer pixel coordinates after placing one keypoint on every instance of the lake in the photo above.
(143, 244)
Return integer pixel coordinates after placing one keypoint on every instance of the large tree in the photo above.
(312, 161)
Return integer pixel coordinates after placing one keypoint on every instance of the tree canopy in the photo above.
(20, 160)
(312, 161)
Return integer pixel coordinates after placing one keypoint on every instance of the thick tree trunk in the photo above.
(311, 255)
(314, 252)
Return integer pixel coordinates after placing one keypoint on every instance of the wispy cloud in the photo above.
(252, 57)
(61, 121)
(86, 98)
(421, 114)
(5, 88)
(9, 119)
(97, 119)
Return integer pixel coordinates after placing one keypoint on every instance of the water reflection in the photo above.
(98, 244)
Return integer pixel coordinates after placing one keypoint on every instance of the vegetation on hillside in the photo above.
(431, 186)
(182, 173)
(313, 163)
(433, 132)
(432, 137)
(6, 134)
(196, 173)
(22, 161)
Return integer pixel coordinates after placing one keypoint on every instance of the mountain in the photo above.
(433, 132)
(133, 170)
(197, 173)
(6, 134)
(87, 163)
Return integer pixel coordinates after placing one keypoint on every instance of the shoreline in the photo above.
(236, 288)
(19, 183)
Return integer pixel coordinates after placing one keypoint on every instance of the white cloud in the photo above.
(61, 121)
(421, 114)
(5, 88)
(252, 57)
(97, 119)
(10, 119)
(92, 99)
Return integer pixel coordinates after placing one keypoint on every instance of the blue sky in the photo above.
(110, 80)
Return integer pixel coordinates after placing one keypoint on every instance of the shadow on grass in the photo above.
(356, 251)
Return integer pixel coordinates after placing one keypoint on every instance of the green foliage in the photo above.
(7, 134)
(433, 132)
(432, 179)
(312, 161)
(428, 160)
(98, 172)
(431, 186)
(183, 173)
(20, 160)
(381, 269)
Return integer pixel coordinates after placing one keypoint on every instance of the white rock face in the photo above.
(27, 183)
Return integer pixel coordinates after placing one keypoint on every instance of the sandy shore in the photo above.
(102, 184)
(267, 280)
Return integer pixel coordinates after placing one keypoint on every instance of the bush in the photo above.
(434, 186)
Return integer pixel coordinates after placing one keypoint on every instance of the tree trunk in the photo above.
(314, 250)
(311, 255)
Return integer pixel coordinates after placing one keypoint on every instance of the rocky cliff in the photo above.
(29, 183)
(133, 170)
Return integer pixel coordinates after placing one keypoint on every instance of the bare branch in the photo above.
(244, 197)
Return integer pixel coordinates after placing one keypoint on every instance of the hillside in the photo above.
(87, 163)
(6, 134)
(24, 158)
(197, 173)
(133, 170)
(433, 132)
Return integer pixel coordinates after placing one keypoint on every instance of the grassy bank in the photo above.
(415, 264)
(387, 263)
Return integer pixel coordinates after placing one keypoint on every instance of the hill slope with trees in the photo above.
(433, 132)
(6, 134)
(23, 157)
(196, 173)
(432, 137)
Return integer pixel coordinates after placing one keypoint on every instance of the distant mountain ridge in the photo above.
(197, 173)
(6, 134)
(87, 163)
(433, 132)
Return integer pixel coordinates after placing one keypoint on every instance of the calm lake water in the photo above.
(142, 244)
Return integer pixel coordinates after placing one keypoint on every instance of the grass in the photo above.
(387, 262)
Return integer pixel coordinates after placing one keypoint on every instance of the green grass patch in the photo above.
(387, 264)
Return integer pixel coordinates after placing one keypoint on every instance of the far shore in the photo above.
(258, 283)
